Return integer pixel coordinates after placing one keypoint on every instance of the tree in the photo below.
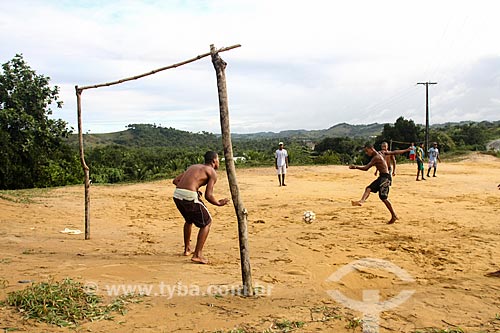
(471, 136)
(445, 142)
(404, 131)
(340, 145)
(328, 157)
(343, 149)
(33, 153)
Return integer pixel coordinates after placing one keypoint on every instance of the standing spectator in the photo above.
(433, 159)
(413, 152)
(420, 160)
(281, 163)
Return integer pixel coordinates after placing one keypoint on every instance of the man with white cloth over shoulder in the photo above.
(187, 198)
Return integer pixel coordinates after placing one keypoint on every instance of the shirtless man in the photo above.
(187, 198)
(389, 159)
(382, 183)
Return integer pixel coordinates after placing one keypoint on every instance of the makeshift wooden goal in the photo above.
(241, 211)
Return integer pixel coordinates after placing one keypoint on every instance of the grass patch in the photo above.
(325, 313)
(64, 303)
(286, 325)
(24, 196)
(354, 323)
(438, 330)
(281, 326)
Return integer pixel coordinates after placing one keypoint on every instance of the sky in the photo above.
(301, 65)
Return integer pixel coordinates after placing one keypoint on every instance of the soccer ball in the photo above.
(309, 216)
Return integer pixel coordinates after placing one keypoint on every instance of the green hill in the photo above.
(146, 135)
(339, 130)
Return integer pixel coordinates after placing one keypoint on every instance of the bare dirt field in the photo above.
(446, 240)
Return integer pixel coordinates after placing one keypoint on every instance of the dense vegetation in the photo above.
(32, 150)
(145, 152)
(36, 151)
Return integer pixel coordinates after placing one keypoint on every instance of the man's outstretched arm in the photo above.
(363, 167)
(398, 152)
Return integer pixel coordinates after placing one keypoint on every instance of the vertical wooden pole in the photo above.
(84, 165)
(241, 211)
(427, 112)
(427, 117)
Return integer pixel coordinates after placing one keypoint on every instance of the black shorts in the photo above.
(194, 212)
(381, 185)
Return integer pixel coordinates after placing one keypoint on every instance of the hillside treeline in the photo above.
(38, 151)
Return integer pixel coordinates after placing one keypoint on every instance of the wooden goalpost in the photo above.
(241, 211)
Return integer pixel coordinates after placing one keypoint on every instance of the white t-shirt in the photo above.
(281, 156)
(433, 154)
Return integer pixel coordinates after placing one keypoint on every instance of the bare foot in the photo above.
(394, 219)
(199, 260)
(188, 251)
(356, 203)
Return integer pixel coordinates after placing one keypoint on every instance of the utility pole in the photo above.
(427, 112)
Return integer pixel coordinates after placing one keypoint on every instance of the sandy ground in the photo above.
(446, 241)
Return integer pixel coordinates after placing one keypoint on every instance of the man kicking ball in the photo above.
(188, 202)
(383, 182)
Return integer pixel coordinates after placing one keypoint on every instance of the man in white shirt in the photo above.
(281, 163)
(433, 159)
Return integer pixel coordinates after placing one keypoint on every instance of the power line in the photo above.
(388, 102)
(426, 112)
